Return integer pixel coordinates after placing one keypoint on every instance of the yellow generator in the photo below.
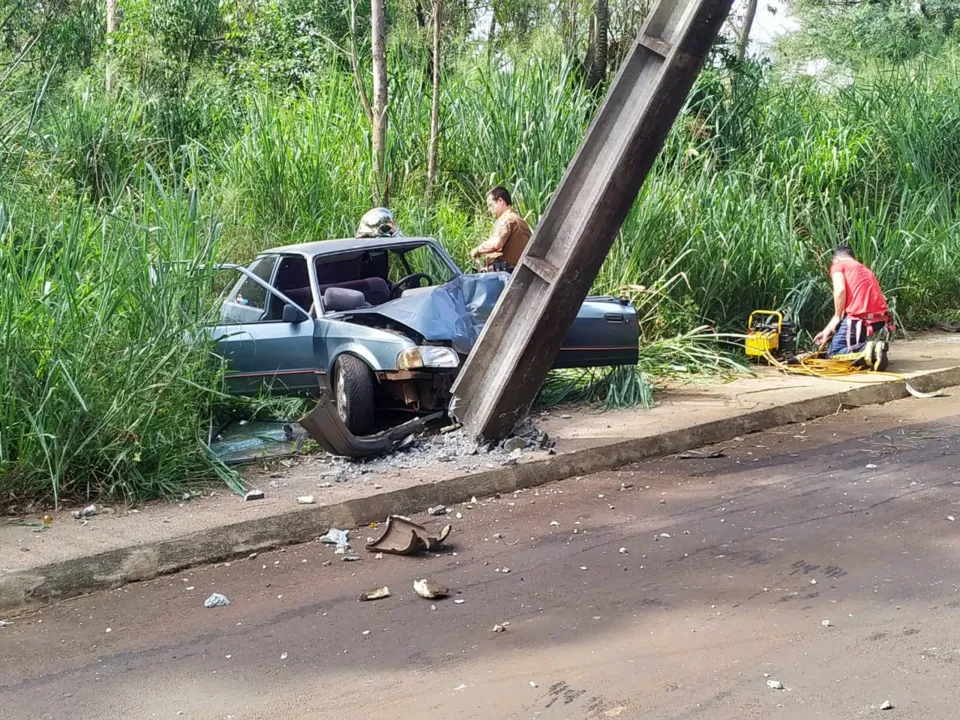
(769, 334)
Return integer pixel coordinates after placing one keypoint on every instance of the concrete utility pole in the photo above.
(519, 342)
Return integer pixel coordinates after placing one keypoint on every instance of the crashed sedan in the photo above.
(385, 322)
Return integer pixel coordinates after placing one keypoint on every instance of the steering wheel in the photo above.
(401, 284)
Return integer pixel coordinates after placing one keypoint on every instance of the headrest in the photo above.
(337, 299)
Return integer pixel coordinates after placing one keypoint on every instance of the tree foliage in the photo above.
(856, 32)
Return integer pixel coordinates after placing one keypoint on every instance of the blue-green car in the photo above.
(388, 320)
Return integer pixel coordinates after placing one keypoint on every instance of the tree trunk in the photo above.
(744, 39)
(435, 110)
(111, 29)
(492, 32)
(355, 64)
(597, 53)
(378, 25)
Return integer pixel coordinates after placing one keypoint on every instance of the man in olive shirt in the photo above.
(510, 232)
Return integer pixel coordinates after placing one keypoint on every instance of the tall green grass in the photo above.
(106, 382)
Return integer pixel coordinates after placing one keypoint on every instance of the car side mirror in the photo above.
(292, 315)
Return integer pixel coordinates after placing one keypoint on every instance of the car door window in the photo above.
(293, 280)
(247, 300)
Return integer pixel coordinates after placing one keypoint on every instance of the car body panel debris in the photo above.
(340, 538)
(325, 426)
(429, 589)
(375, 594)
(216, 600)
(402, 536)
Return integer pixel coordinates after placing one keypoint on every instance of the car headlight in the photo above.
(428, 356)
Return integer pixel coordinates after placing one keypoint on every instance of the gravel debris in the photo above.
(774, 684)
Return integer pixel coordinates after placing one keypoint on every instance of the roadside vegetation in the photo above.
(232, 127)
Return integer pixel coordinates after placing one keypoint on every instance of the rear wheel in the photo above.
(353, 387)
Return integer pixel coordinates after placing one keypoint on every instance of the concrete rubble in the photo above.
(453, 447)
(375, 594)
(429, 589)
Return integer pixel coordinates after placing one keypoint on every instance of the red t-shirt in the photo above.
(865, 301)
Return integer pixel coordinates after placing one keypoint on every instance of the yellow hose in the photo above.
(833, 369)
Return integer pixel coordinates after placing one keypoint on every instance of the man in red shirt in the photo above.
(859, 312)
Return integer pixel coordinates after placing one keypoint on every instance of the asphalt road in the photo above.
(729, 568)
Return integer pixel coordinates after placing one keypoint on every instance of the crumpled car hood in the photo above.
(448, 313)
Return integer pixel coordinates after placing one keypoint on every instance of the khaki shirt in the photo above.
(508, 239)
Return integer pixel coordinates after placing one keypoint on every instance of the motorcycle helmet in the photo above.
(377, 222)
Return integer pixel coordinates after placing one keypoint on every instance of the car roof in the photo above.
(311, 250)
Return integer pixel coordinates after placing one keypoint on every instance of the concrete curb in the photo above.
(29, 589)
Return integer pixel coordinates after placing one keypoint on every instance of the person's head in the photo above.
(377, 222)
(843, 251)
(499, 201)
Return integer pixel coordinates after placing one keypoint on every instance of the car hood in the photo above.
(438, 314)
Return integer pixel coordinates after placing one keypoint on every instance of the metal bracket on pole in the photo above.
(519, 342)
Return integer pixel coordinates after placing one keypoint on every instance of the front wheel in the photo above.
(353, 383)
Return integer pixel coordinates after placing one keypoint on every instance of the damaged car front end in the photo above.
(378, 327)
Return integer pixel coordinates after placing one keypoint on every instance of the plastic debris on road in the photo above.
(340, 538)
(216, 600)
(701, 455)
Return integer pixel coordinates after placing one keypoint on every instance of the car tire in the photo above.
(354, 394)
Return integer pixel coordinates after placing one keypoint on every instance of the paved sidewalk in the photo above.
(131, 544)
